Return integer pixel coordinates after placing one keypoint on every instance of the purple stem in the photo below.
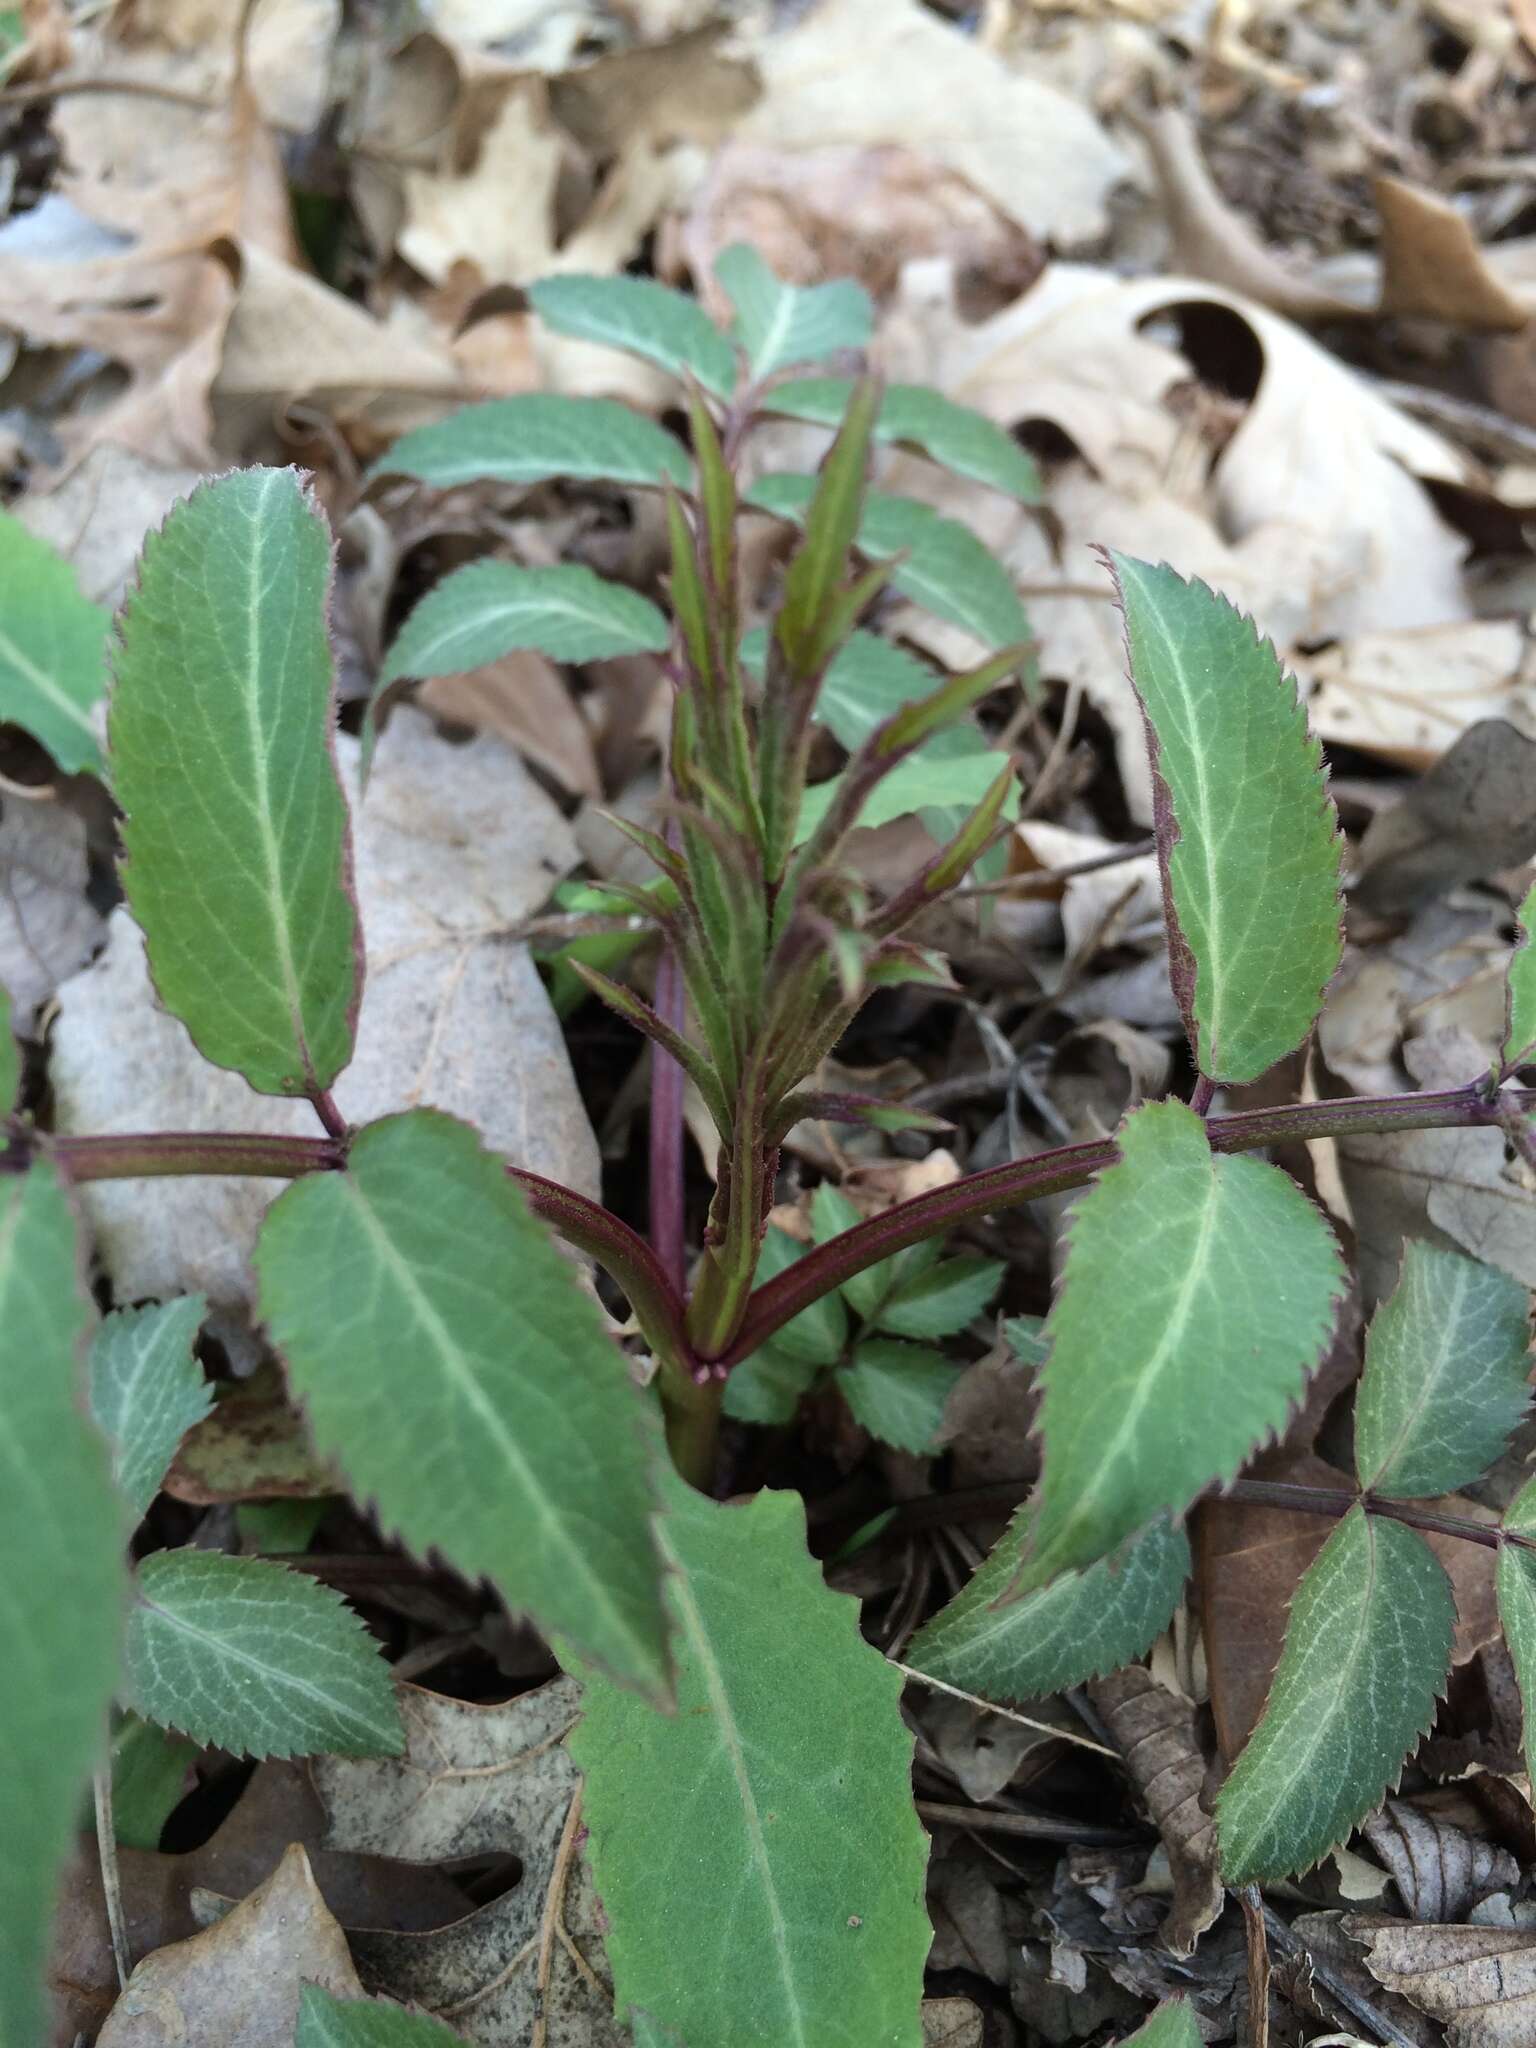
(1204, 1095)
(1336, 1501)
(666, 1133)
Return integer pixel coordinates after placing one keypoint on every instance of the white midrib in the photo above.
(1204, 842)
(45, 684)
(730, 1742)
(773, 335)
(499, 614)
(1428, 1382)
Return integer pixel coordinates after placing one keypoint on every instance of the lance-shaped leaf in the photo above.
(1366, 1652)
(1198, 1294)
(897, 1391)
(450, 1360)
(1173, 2025)
(1446, 1359)
(53, 649)
(62, 1531)
(147, 1390)
(963, 440)
(326, 2021)
(1080, 1626)
(935, 778)
(643, 317)
(779, 324)
(527, 440)
(1520, 1018)
(485, 611)
(776, 1836)
(248, 1656)
(239, 852)
(1517, 1601)
(1246, 831)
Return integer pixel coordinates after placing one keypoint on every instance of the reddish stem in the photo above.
(1336, 1501)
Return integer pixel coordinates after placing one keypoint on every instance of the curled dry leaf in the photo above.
(1479, 1981)
(1154, 1730)
(1440, 1871)
(1473, 813)
(1432, 267)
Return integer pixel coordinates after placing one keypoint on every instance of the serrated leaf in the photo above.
(643, 317)
(147, 1390)
(817, 1335)
(897, 1391)
(1516, 1581)
(248, 1656)
(831, 1214)
(1173, 2025)
(1520, 1017)
(326, 2021)
(536, 436)
(768, 1387)
(1445, 1381)
(149, 1780)
(239, 850)
(1199, 1292)
(1081, 1626)
(478, 614)
(942, 1299)
(53, 650)
(779, 324)
(1366, 1652)
(62, 1531)
(449, 1358)
(10, 1058)
(799, 1880)
(963, 440)
(1027, 1340)
(1246, 830)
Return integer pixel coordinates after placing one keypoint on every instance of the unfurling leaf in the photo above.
(528, 439)
(62, 1531)
(1366, 1653)
(478, 614)
(449, 1358)
(781, 324)
(251, 1657)
(643, 317)
(1171, 2026)
(1246, 831)
(1078, 1627)
(1520, 1020)
(147, 1390)
(964, 441)
(239, 853)
(53, 650)
(326, 2021)
(1446, 1359)
(797, 1870)
(1199, 1292)
(1517, 1600)
(897, 1391)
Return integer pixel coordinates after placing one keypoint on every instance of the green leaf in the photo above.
(779, 324)
(1520, 1018)
(768, 1387)
(935, 777)
(898, 1391)
(10, 1058)
(643, 317)
(817, 1335)
(1199, 1292)
(795, 1867)
(448, 1356)
(831, 1214)
(1173, 2025)
(149, 1780)
(239, 854)
(1079, 1627)
(1517, 1602)
(528, 439)
(249, 1656)
(485, 611)
(326, 2021)
(1027, 1340)
(868, 680)
(1446, 1359)
(53, 650)
(147, 1390)
(649, 2033)
(62, 1531)
(963, 440)
(1245, 826)
(1366, 1652)
(942, 1299)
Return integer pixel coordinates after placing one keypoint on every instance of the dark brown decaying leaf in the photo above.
(254, 1446)
(1472, 814)
(1479, 1981)
(1440, 1871)
(1154, 1731)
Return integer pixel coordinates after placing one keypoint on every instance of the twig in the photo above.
(550, 1922)
(1005, 1713)
(111, 1879)
(1358, 2007)
(1035, 1827)
(1258, 1966)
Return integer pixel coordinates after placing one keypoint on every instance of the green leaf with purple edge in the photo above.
(1520, 1017)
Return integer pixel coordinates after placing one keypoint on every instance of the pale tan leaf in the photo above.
(1440, 1871)
(524, 700)
(48, 927)
(1409, 693)
(1432, 267)
(1480, 1981)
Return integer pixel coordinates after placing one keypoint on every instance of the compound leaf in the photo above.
(779, 324)
(147, 1390)
(62, 1532)
(1446, 1359)
(485, 611)
(1199, 1292)
(528, 439)
(1246, 831)
(53, 650)
(1173, 2025)
(796, 1869)
(1081, 1626)
(326, 2021)
(1366, 1652)
(643, 317)
(451, 1362)
(248, 1656)
(963, 440)
(1520, 1034)
(897, 1391)
(942, 1299)
(239, 852)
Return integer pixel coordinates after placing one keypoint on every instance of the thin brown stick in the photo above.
(550, 1921)
(111, 1879)
(1258, 1966)
(1034, 1827)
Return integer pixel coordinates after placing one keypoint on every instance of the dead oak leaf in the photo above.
(1480, 1981)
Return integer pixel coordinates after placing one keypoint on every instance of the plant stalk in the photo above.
(1336, 1501)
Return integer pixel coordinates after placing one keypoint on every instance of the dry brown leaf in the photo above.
(1480, 1981)
(98, 516)
(952, 2023)
(1154, 1730)
(1409, 693)
(239, 1981)
(1440, 1871)
(48, 927)
(1433, 268)
(1472, 814)
(467, 214)
(253, 1446)
(523, 699)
